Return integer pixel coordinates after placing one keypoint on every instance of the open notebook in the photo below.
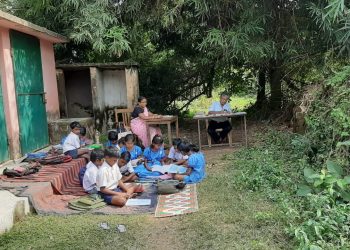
(170, 169)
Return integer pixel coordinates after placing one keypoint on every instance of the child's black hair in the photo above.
(157, 140)
(121, 141)
(187, 147)
(112, 135)
(126, 156)
(176, 142)
(74, 125)
(130, 138)
(111, 152)
(141, 98)
(96, 154)
(83, 131)
(138, 142)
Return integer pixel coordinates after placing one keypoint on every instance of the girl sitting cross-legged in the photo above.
(196, 164)
(153, 155)
(134, 150)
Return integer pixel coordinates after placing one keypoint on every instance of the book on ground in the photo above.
(170, 169)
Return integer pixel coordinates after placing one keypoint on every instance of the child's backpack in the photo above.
(81, 175)
(169, 186)
(22, 171)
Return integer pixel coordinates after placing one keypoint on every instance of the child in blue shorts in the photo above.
(109, 181)
(196, 164)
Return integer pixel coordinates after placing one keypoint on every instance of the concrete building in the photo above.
(90, 92)
(28, 93)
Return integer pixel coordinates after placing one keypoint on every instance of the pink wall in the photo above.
(9, 93)
(50, 81)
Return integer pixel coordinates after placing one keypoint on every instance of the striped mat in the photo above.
(184, 202)
(63, 177)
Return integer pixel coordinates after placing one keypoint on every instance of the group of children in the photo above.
(124, 161)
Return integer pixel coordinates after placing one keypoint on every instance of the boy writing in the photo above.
(109, 181)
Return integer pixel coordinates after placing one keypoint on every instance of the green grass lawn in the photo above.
(228, 218)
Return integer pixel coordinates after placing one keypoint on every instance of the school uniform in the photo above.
(90, 176)
(126, 169)
(135, 152)
(175, 155)
(219, 122)
(71, 145)
(196, 161)
(108, 177)
(152, 158)
(110, 144)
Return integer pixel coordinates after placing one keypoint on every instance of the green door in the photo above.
(4, 153)
(28, 76)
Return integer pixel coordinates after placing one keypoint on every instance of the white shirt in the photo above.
(173, 154)
(90, 176)
(216, 106)
(126, 168)
(108, 176)
(72, 142)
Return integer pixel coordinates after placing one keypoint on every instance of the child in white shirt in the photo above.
(90, 176)
(175, 155)
(125, 167)
(71, 145)
(109, 181)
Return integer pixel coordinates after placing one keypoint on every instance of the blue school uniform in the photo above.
(110, 144)
(196, 161)
(152, 158)
(135, 153)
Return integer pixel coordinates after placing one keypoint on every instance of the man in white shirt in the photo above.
(223, 123)
(90, 176)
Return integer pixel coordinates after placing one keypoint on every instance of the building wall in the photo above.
(78, 93)
(114, 84)
(132, 84)
(49, 79)
(9, 94)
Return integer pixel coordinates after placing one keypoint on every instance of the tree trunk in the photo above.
(261, 97)
(276, 85)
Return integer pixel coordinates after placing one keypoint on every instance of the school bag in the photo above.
(22, 170)
(169, 186)
(86, 203)
(55, 159)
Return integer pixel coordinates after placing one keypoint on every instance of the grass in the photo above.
(228, 218)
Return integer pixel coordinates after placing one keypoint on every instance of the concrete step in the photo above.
(12, 209)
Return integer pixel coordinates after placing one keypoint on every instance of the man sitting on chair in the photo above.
(220, 107)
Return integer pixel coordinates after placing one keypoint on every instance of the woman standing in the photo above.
(138, 124)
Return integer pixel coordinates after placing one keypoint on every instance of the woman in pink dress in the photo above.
(138, 124)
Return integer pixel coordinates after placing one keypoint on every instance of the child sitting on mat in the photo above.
(113, 141)
(134, 150)
(196, 164)
(71, 145)
(125, 167)
(109, 181)
(89, 180)
(175, 155)
(153, 155)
